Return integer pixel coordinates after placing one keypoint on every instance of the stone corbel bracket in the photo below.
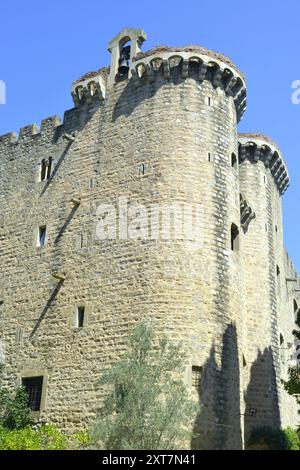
(259, 148)
(85, 90)
(192, 63)
(247, 214)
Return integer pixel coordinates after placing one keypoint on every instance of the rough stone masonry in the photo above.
(155, 128)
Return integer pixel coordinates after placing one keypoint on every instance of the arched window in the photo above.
(124, 61)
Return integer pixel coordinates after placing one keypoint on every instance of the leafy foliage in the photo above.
(14, 410)
(273, 439)
(147, 405)
(46, 437)
(292, 385)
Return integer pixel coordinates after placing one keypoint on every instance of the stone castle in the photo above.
(155, 128)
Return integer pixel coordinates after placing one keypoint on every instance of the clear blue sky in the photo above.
(45, 45)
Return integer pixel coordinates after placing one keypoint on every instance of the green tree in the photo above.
(147, 405)
(292, 385)
(14, 409)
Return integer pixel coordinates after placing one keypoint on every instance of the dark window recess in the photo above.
(42, 236)
(43, 170)
(33, 387)
(196, 376)
(234, 237)
(142, 169)
(80, 317)
(233, 161)
(281, 340)
(81, 241)
(277, 271)
(209, 156)
(49, 167)
(46, 166)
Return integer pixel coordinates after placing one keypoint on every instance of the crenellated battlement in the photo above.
(47, 128)
(193, 61)
(258, 147)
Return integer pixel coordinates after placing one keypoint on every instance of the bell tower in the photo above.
(123, 47)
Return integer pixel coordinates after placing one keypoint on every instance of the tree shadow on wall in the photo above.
(47, 307)
(261, 397)
(218, 424)
(75, 120)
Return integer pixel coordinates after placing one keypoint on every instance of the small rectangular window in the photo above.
(33, 387)
(196, 376)
(142, 169)
(234, 161)
(277, 271)
(235, 235)
(49, 167)
(42, 236)
(79, 317)
(45, 169)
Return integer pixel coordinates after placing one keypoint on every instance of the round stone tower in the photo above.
(169, 139)
(263, 180)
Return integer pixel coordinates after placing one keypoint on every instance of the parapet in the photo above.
(209, 65)
(258, 147)
(48, 127)
(92, 84)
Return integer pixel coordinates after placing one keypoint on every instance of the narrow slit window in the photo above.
(234, 161)
(196, 376)
(79, 317)
(43, 170)
(142, 169)
(277, 271)
(49, 168)
(281, 339)
(33, 387)
(42, 236)
(235, 238)
(209, 157)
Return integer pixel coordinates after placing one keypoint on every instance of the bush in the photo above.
(15, 411)
(46, 437)
(292, 439)
(273, 439)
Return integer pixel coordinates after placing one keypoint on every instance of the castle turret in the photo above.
(175, 112)
(263, 179)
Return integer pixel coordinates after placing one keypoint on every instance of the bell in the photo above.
(124, 61)
(124, 67)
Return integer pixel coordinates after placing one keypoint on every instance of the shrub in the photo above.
(273, 439)
(46, 437)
